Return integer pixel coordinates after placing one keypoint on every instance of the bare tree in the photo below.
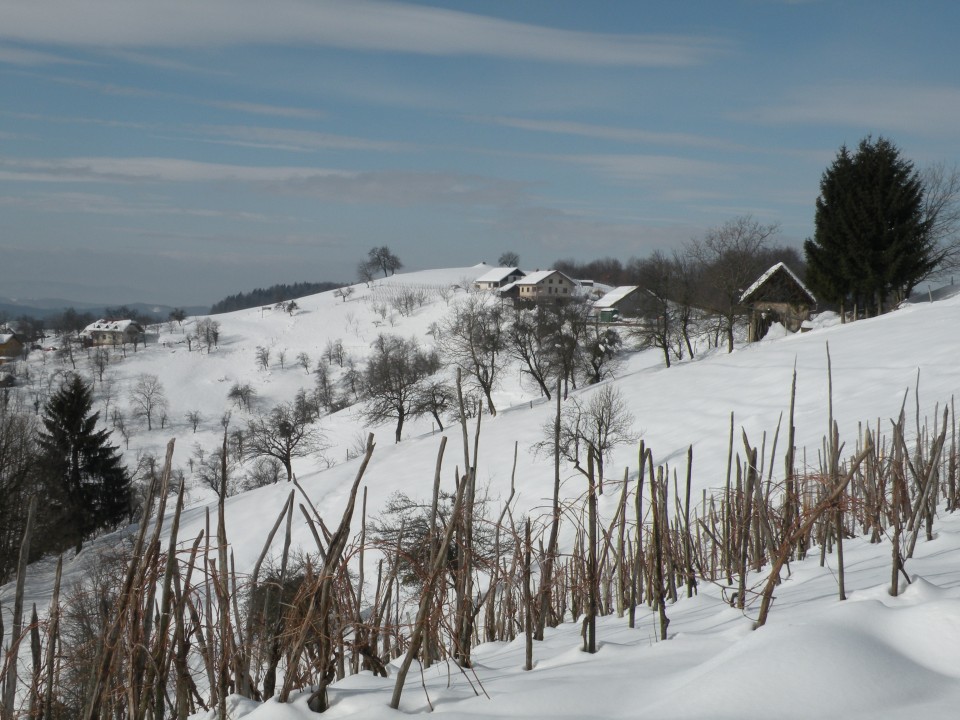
(366, 272)
(193, 417)
(941, 211)
(472, 337)
(100, 361)
(383, 259)
(208, 333)
(303, 360)
(345, 292)
(393, 378)
(282, 357)
(242, 394)
(594, 427)
(508, 259)
(732, 256)
(529, 340)
(148, 398)
(263, 356)
(288, 431)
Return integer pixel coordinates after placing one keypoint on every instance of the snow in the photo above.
(766, 276)
(871, 656)
(614, 296)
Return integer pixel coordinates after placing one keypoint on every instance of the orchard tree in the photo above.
(148, 398)
(288, 431)
(872, 238)
(86, 486)
(473, 337)
(509, 259)
(382, 258)
(393, 380)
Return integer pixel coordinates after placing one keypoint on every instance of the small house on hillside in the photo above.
(496, 278)
(777, 296)
(113, 333)
(623, 301)
(545, 286)
(11, 346)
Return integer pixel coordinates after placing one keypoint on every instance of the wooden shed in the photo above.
(777, 296)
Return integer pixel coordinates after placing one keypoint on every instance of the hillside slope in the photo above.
(899, 653)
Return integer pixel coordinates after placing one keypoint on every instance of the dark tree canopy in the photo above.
(871, 239)
(382, 258)
(270, 296)
(393, 380)
(86, 485)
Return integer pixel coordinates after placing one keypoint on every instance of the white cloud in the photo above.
(399, 188)
(606, 132)
(358, 24)
(294, 140)
(21, 56)
(647, 168)
(869, 107)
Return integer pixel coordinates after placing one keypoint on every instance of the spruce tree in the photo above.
(87, 487)
(871, 241)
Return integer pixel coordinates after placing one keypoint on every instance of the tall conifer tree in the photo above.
(871, 243)
(87, 487)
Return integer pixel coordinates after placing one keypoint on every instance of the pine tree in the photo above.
(87, 487)
(871, 242)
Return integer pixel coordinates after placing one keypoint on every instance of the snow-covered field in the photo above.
(871, 656)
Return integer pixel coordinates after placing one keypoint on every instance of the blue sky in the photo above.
(179, 151)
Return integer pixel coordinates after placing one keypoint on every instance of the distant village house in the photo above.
(549, 286)
(113, 333)
(498, 277)
(11, 346)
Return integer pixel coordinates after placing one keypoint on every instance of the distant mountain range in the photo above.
(42, 308)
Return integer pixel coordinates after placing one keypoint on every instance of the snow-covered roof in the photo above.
(615, 296)
(5, 338)
(498, 274)
(766, 276)
(109, 326)
(508, 287)
(535, 278)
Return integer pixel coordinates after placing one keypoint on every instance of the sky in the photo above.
(181, 151)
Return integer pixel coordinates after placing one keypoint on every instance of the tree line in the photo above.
(279, 293)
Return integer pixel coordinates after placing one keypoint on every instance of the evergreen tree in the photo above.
(871, 240)
(87, 487)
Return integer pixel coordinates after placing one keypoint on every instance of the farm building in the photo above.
(623, 301)
(777, 296)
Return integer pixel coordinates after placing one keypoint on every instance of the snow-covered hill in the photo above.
(872, 656)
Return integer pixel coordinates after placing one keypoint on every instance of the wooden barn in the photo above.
(777, 296)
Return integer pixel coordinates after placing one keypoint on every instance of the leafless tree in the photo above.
(148, 398)
(473, 338)
(732, 256)
(288, 431)
(383, 259)
(393, 378)
(509, 259)
(303, 360)
(242, 394)
(529, 340)
(263, 356)
(282, 357)
(941, 210)
(193, 417)
(345, 292)
(208, 333)
(597, 426)
(100, 361)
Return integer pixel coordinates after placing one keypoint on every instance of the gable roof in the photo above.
(117, 326)
(615, 296)
(498, 274)
(535, 278)
(769, 274)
